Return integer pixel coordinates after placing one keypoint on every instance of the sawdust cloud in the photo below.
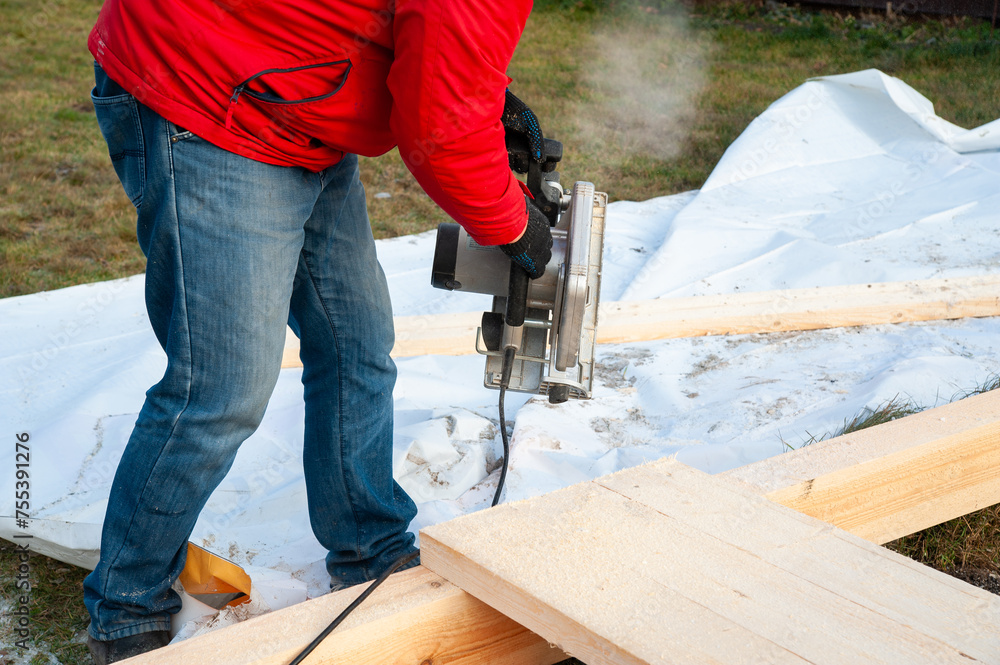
(643, 83)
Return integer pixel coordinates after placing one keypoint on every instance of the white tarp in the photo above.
(847, 179)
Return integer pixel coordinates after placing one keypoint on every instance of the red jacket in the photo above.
(300, 82)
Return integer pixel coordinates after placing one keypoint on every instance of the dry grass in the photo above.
(58, 619)
(969, 541)
(63, 218)
(893, 409)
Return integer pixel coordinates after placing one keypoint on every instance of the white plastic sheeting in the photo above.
(847, 179)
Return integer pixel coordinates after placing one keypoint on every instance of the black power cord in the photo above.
(508, 366)
(396, 565)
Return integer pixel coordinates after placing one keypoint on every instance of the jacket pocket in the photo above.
(328, 104)
(280, 92)
(118, 119)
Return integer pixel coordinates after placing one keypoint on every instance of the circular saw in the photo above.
(548, 325)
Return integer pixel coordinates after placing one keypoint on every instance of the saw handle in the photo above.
(517, 296)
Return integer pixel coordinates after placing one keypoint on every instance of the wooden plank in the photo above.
(645, 621)
(934, 603)
(414, 617)
(731, 314)
(665, 564)
(437, 334)
(894, 479)
(800, 309)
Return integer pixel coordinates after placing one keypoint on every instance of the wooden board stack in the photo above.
(665, 564)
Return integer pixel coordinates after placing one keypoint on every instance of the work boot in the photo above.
(125, 647)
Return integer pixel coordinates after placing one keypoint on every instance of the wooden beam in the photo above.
(738, 313)
(433, 334)
(800, 309)
(665, 564)
(894, 479)
(414, 617)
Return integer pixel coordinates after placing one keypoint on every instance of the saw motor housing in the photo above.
(555, 345)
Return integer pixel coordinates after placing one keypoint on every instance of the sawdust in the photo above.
(229, 616)
(435, 473)
(638, 356)
(632, 430)
(712, 362)
(643, 84)
(612, 372)
(489, 440)
(546, 443)
(612, 369)
(757, 381)
(779, 405)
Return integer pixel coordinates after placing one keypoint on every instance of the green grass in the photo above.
(646, 98)
(893, 409)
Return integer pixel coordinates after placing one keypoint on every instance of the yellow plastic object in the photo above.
(206, 574)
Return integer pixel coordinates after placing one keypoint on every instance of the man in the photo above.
(234, 127)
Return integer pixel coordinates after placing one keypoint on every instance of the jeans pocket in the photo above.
(118, 119)
(178, 134)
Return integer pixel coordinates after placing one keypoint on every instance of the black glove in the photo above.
(533, 250)
(517, 118)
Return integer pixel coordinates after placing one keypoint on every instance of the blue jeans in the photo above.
(236, 249)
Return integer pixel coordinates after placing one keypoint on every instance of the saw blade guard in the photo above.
(555, 355)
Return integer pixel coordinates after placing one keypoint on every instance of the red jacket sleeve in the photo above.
(447, 81)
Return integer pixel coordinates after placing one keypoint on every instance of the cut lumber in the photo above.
(731, 314)
(431, 334)
(436, 334)
(800, 309)
(665, 564)
(414, 617)
(893, 479)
